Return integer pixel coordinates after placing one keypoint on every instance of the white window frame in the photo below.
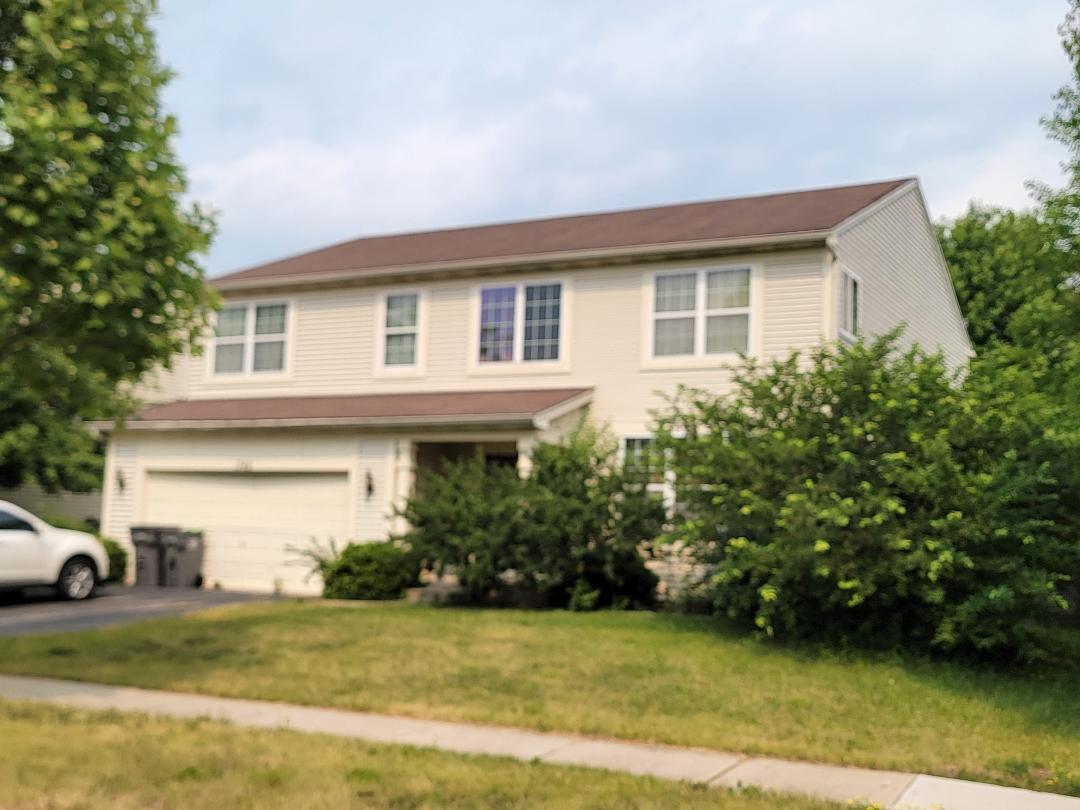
(846, 276)
(700, 314)
(249, 339)
(665, 488)
(382, 330)
(519, 365)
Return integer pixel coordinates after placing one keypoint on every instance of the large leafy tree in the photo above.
(1017, 274)
(1062, 206)
(99, 274)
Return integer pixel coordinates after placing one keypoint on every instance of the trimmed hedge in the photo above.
(370, 571)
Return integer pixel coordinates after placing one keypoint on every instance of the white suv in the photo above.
(34, 553)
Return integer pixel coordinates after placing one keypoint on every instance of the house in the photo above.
(337, 376)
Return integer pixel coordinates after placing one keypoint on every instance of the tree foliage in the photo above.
(99, 276)
(1017, 274)
(569, 535)
(869, 496)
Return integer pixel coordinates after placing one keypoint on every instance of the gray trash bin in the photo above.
(147, 542)
(167, 556)
(182, 555)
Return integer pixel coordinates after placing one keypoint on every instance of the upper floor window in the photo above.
(401, 327)
(701, 312)
(520, 323)
(849, 311)
(250, 338)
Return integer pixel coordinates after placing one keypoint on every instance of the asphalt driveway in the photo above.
(43, 612)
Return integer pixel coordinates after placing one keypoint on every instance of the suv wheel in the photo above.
(77, 579)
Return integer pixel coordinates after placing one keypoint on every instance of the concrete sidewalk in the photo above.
(897, 791)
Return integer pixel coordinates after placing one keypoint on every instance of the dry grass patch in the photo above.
(664, 678)
(68, 759)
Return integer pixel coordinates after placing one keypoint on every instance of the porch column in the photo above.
(404, 480)
(525, 447)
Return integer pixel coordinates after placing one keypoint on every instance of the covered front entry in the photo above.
(253, 522)
(431, 456)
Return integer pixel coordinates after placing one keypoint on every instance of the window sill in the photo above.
(675, 363)
(248, 377)
(518, 368)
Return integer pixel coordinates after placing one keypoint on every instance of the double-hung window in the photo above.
(701, 312)
(520, 323)
(251, 338)
(849, 305)
(401, 330)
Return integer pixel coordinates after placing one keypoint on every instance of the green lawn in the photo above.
(665, 678)
(74, 759)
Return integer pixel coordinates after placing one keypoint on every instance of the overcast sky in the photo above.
(306, 123)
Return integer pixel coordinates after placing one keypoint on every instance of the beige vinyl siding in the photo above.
(903, 278)
(164, 385)
(606, 327)
(118, 503)
(373, 510)
(794, 289)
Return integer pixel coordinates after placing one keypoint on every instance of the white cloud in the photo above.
(305, 130)
(295, 193)
(995, 174)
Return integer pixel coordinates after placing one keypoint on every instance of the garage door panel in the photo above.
(253, 523)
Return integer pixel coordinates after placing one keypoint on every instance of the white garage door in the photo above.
(253, 522)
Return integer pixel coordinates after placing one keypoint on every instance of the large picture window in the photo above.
(251, 338)
(702, 312)
(520, 323)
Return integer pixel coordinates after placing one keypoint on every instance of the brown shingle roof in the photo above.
(743, 217)
(449, 408)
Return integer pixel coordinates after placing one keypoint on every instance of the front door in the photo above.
(22, 553)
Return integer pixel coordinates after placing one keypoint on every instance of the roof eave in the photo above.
(525, 421)
(658, 251)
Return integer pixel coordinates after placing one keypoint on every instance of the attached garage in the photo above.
(263, 477)
(253, 522)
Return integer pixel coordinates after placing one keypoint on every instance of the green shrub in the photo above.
(370, 571)
(871, 497)
(468, 517)
(118, 556)
(64, 522)
(118, 559)
(569, 535)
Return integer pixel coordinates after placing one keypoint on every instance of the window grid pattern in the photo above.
(701, 313)
(521, 323)
(401, 328)
(543, 303)
(250, 338)
(675, 297)
(497, 324)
